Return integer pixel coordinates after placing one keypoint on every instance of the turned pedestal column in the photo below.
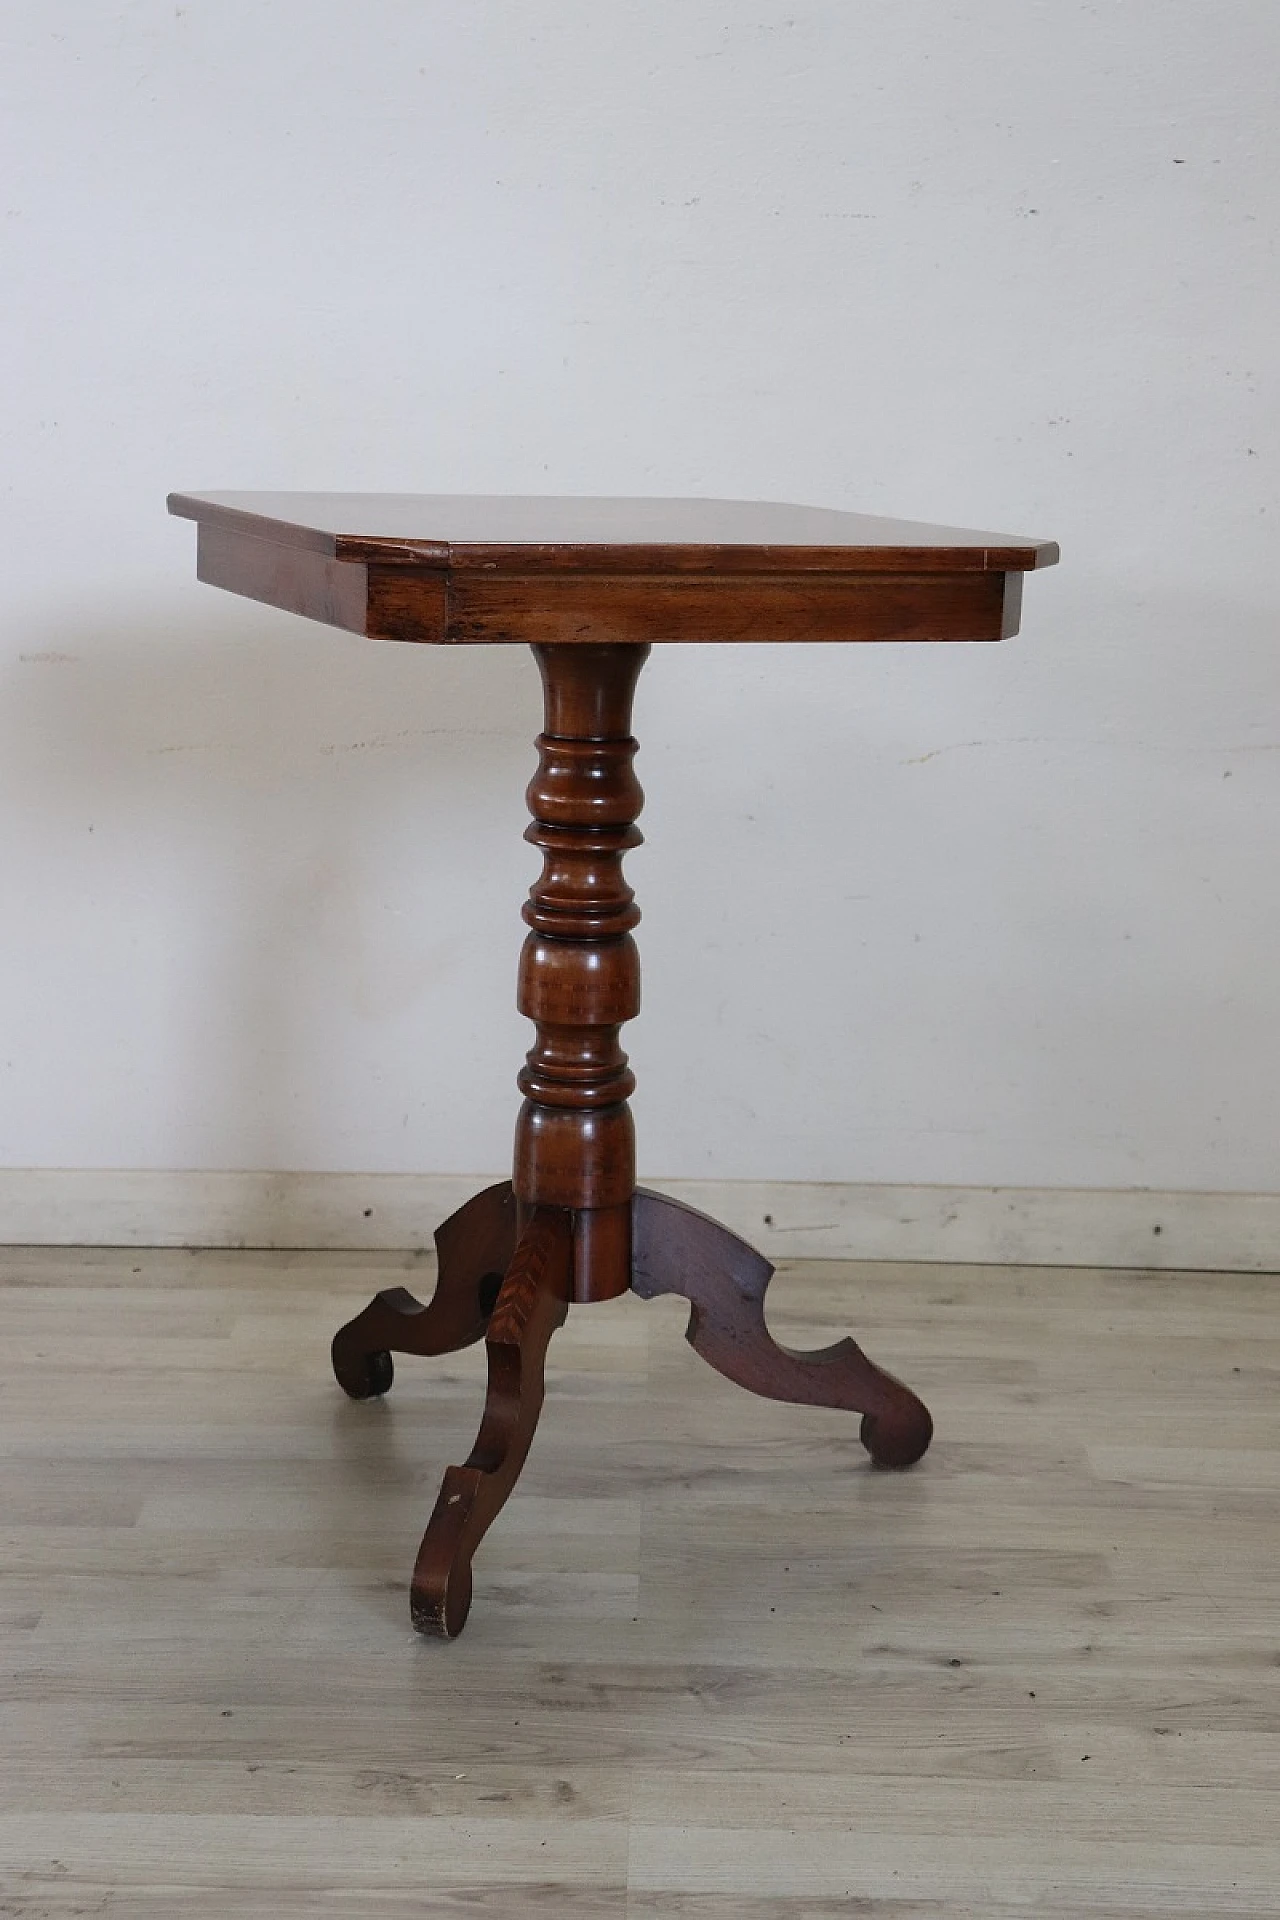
(580, 971)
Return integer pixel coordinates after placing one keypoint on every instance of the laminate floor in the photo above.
(717, 1667)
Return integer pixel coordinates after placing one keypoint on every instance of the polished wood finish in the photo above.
(644, 609)
(574, 1163)
(676, 1249)
(717, 1667)
(473, 1251)
(478, 571)
(298, 579)
(531, 1304)
(522, 534)
(579, 976)
(426, 608)
(591, 585)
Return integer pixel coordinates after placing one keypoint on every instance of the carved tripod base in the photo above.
(507, 1275)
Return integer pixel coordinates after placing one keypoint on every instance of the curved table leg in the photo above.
(677, 1250)
(533, 1302)
(474, 1248)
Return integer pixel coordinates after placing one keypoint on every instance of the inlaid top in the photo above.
(514, 532)
(475, 569)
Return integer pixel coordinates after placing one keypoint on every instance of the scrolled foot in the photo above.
(532, 1303)
(474, 1248)
(440, 1591)
(899, 1435)
(361, 1371)
(678, 1250)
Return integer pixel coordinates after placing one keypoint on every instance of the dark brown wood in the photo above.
(430, 608)
(295, 578)
(579, 977)
(473, 1250)
(639, 609)
(532, 1303)
(678, 1250)
(479, 572)
(590, 584)
(560, 534)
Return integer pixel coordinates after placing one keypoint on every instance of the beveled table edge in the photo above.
(983, 554)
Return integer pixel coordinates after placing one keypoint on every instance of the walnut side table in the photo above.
(591, 585)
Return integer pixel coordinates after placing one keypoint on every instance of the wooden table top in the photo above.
(512, 532)
(478, 568)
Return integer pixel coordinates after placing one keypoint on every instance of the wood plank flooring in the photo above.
(716, 1669)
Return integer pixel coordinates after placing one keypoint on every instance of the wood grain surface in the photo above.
(532, 1302)
(458, 570)
(579, 974)
(718, 1668)
(526, 532)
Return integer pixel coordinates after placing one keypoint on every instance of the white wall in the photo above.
(1001, 915)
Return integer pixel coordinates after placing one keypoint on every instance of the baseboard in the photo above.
(1016, 1226)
